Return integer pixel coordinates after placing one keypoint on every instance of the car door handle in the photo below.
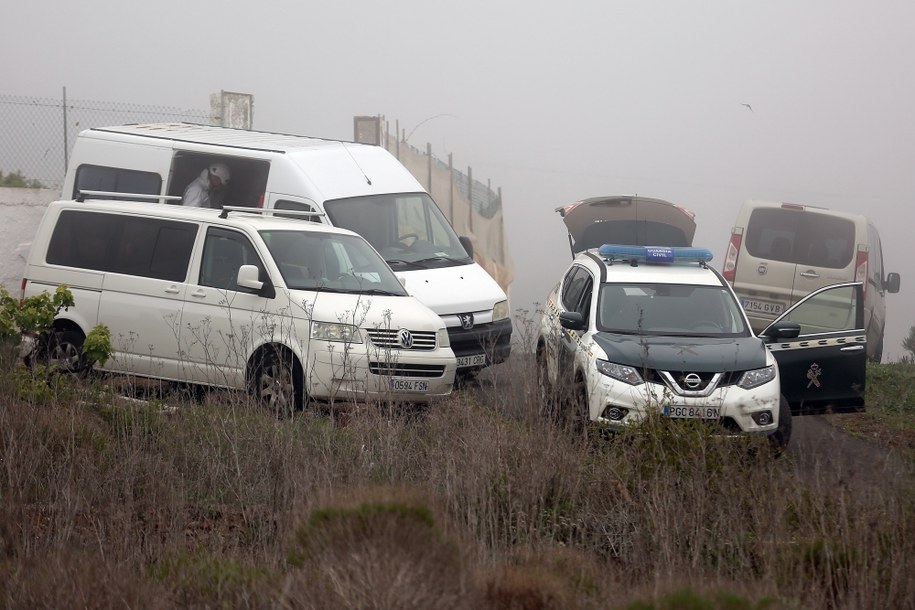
(172, 290)
(852, 348)
(199, 293)
(810, 274)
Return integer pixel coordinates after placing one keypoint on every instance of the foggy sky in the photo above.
(551, 102)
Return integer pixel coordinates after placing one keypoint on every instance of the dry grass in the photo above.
(478, 502)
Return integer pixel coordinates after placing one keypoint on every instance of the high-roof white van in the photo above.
(290, 310)
(780, 252)
(355, 186)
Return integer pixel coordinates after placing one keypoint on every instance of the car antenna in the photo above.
(367, 179)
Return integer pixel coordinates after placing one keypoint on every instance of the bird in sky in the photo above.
(749, 107)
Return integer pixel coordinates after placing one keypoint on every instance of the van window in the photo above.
(286, 204)
(132, 245)
(801, 237)
(330, 262)
(116, 180)
(223, 253)
(407, 228)
(247, 184)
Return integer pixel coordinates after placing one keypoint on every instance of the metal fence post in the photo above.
(66, 147)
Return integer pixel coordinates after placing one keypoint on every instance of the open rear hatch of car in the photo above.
(631, 221)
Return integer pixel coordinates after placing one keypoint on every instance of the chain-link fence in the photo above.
(38, 133)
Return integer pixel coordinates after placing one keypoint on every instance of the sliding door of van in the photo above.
(143, 290)
(222, 322)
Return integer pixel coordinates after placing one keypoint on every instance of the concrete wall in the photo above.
(20, 212)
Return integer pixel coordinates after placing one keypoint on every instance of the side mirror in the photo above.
(892, 282)
(781, 330)
(248, 278)
(468, 245)
(572, 320)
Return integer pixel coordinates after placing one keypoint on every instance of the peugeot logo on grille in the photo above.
(692, 381)
(466, 320)
(405, 338)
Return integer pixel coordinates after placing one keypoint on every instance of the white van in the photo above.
(781, 252)
(288, 309)
(355, 186)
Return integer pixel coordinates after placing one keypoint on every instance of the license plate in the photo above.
(409, 385)
(684, 412)
(756, 306)
(475, 360)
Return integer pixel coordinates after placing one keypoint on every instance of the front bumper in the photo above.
(735, 406)
(493, 340)
(356, 372)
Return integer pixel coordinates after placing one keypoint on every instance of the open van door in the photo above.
(820, 346)
(629, 221)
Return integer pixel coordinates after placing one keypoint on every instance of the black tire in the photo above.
(63, 351)
(779, 439)
(278, 382)
(548, 402)
(577, 411)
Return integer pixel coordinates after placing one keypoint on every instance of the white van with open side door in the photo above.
(355, 186)
(780, 252)
(291, 310)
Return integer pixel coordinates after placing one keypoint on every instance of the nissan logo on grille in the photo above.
(466, 320)
(405, 338)
(692, 381)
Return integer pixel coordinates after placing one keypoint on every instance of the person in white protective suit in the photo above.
(197, 194)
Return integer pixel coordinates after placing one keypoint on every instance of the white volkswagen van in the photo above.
(355, 186)
(780, 252)
(288, 309)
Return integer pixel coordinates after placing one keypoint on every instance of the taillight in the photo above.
(861, 268)
(22, 292)
(730, 259)
(260, 200)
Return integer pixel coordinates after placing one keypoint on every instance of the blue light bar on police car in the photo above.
(654, 254)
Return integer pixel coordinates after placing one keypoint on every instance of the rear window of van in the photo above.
(800, 237)
(132, 245)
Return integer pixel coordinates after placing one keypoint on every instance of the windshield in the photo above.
(670, 309)
(330, 262)
(407, 229)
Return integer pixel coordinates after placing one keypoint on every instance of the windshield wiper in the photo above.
(381, 292)
(449, 259)
(397, 261)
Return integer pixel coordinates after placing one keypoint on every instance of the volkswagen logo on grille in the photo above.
(466, 320)
(692, 381)
(405, 338)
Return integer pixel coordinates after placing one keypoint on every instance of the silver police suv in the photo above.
(631, 331)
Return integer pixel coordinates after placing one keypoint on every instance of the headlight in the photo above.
(755, 378)
(443, 339)
(500, 311)
(332, 331)
(620, 372)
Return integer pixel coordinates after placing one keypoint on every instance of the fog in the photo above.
(702, 104)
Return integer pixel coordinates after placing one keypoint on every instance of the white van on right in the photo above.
(780, 252)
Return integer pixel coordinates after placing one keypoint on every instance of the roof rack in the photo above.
(83, 194)
(267, 211)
